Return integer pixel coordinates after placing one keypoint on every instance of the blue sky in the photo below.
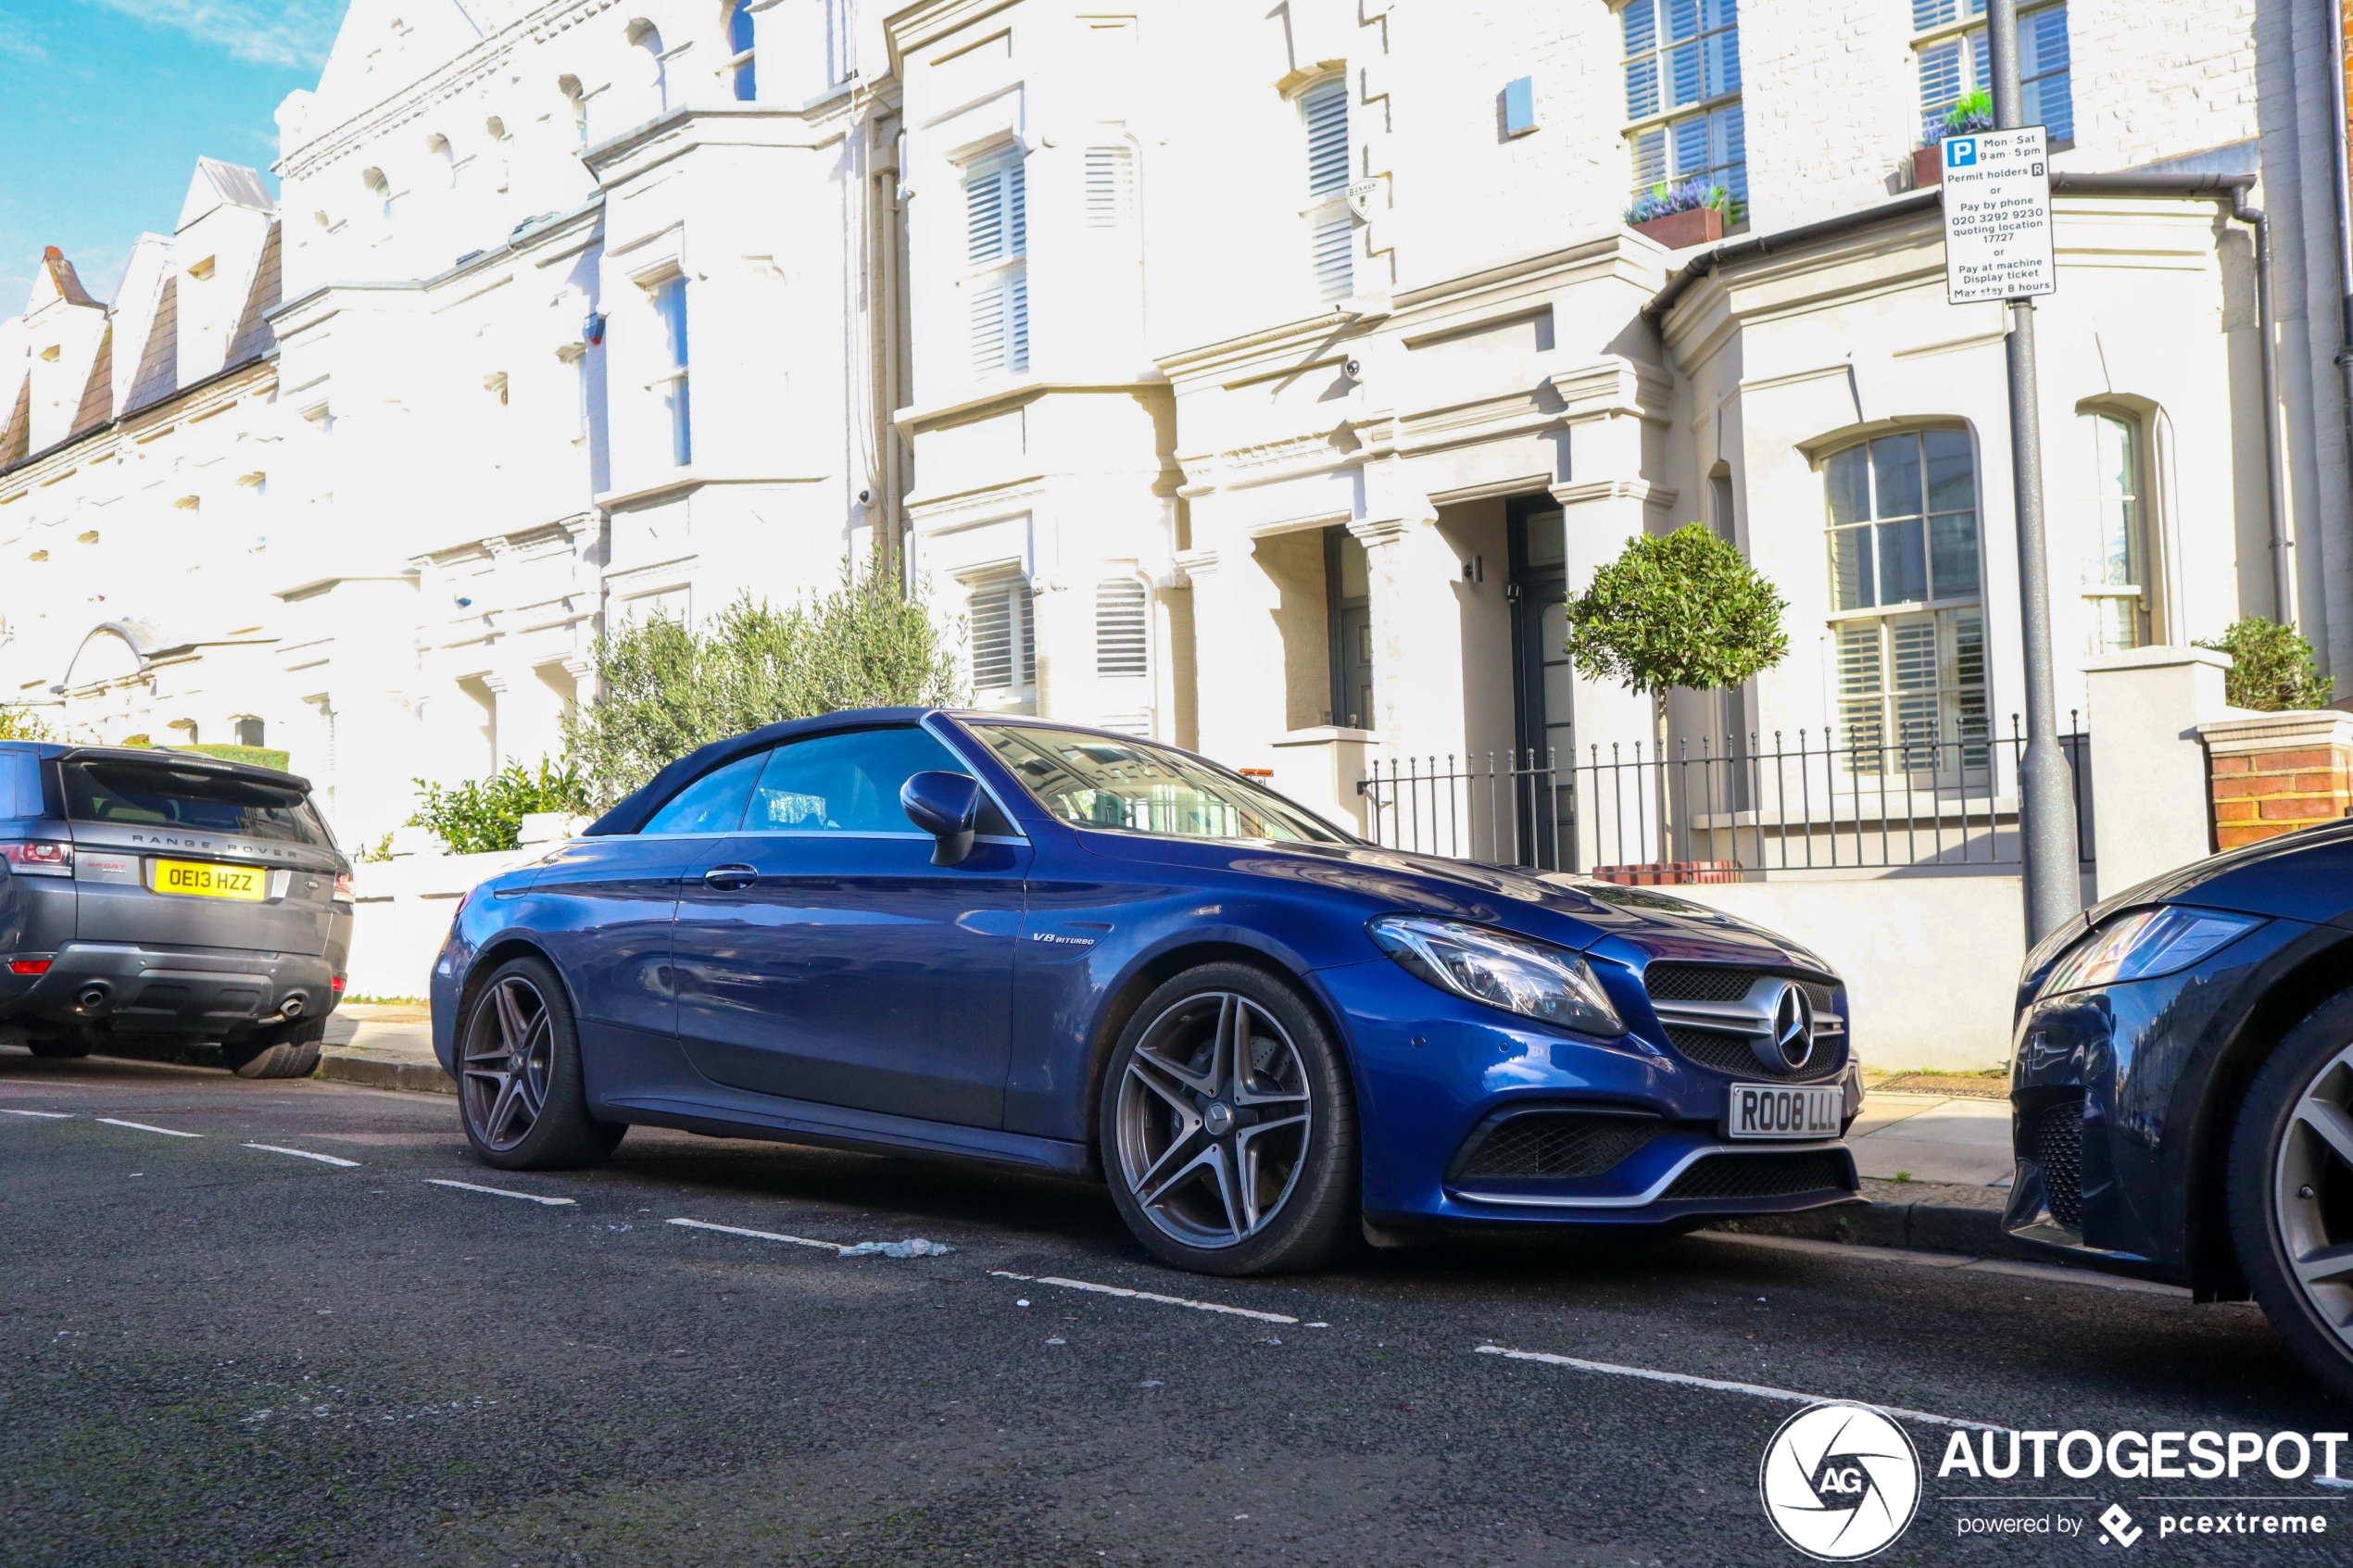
(111, 101)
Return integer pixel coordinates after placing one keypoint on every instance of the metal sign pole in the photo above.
(2045, 781)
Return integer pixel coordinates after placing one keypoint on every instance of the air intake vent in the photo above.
(1708, 983)
(2058, 1148)
(1762, 1175)
(1553, 1143)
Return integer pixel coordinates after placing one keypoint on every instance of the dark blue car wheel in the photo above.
(1228, 1132)
(2291, 1191)
(519, 1078)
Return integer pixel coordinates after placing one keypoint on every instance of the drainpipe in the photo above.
(2274, 461)
(2341, 194)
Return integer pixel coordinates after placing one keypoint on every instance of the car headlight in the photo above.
(2146, 944)
(1532, 979)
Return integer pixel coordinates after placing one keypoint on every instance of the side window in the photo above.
(713, 803)
(850, 783)
(20, 783)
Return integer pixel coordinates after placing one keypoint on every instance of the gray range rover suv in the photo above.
(166, 896)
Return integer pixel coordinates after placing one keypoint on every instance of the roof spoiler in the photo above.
(189, 762)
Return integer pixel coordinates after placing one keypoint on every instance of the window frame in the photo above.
(1665, 116)
(1327, 212)
(1949, 618)
(741, 67)
(1967, 29)
(1003, 274)
(2147, 591)
(673, 380)
(1022, 646)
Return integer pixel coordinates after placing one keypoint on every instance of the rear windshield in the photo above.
(144, 795)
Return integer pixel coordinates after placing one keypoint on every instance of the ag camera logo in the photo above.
(1839, 1482)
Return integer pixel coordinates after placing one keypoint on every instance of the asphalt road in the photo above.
(214, 1353)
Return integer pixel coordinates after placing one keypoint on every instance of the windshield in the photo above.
(1095, 782)
(146, 794)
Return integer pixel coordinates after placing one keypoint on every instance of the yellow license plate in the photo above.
(199, 879)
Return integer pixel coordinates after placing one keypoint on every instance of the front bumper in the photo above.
(1434, 1072)
(209, 993)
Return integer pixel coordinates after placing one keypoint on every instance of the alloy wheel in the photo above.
(1214, 1120)
(2312, 1195)
(509, 1061)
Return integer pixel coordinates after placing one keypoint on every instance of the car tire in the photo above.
(1227, 1171)
(289, 1050)
(2291, 1189)
(521, 1091)
(75, 1042)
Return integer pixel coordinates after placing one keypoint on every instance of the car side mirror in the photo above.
(946, 806)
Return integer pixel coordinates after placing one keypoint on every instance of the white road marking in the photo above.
(1755, 1391)
(143, 1127)
(496, 1192)
(757, 1236)
(305, 1154)
(1146, 1295)
(2048, 1273)
(44, 1115)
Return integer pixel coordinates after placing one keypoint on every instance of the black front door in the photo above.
(1541, 684)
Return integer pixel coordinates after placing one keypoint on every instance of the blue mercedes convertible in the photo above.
(1009, 939)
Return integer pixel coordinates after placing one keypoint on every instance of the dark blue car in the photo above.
(1011, 940)
(2182, 1088)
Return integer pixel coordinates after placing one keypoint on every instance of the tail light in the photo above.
(335, 984)
(34, 857)
(28, 966)
(343, 888)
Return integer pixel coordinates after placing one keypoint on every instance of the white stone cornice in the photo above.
(1654, 497)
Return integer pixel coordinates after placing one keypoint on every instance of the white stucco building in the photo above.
(1258, 378)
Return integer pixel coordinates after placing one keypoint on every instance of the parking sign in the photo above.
(1998, 216)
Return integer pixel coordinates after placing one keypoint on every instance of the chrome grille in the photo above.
(1721, 1016)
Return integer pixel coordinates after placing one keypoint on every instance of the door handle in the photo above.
(727, 878)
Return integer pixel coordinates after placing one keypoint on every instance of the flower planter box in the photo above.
(1927, 167)
(1692, 226)
(1669, 874)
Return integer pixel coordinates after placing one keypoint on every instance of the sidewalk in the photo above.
(389, 1046)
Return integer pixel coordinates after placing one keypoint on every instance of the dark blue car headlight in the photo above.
(2146, 944)
(1497, 970)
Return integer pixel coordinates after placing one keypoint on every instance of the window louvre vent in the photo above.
(1111, 187)
(1121, 630)
(1327, 110)
(1004, 644)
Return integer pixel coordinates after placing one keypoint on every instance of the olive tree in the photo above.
(665, 689)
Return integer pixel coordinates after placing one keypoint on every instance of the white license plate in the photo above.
(1776, 1111)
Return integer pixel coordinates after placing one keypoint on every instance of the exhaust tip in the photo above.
(92, 998)
(291, 1007)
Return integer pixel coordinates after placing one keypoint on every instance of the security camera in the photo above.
(865, 497)
(1353, 370)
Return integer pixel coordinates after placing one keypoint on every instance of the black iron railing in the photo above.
(1768, 805)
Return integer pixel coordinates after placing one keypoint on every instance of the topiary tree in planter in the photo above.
(2272, 668)
(1677, 609)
